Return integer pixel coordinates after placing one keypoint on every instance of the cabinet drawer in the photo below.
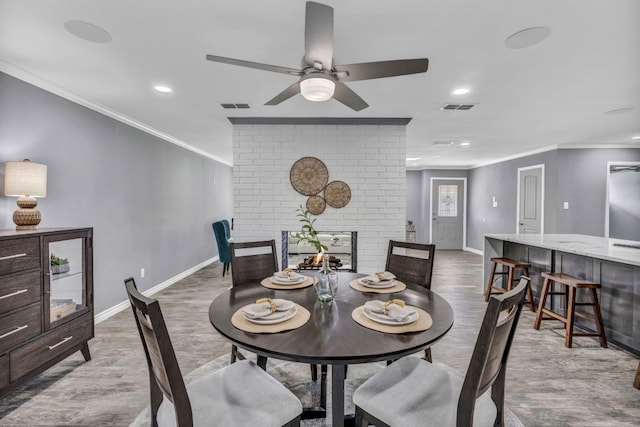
(39, 351)
(19, 326)
(19, 254)
(4, 371)
(19, 290)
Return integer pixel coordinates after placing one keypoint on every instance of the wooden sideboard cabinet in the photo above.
(46, 300)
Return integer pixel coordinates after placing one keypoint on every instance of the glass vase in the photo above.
(326, 282)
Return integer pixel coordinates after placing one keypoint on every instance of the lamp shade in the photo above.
(25, 178)
(317, 87)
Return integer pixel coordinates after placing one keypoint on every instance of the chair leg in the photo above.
(261, 361)
(541, 303)
(491, 278)
(568, 339)
(314, 372)
(234, 350)
(359, 421)
(598, 317)
(530, 292)
(510, 279)
(427, 354)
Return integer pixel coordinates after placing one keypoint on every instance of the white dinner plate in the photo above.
(388, 320)
(273, 318)
(282, 281)
(379, 284)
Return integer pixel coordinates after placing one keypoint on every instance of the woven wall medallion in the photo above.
(316, 204)
(337, 194)
(309, 176)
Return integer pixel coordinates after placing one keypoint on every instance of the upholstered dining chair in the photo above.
(412, 263)
(412, 392)
(250, 263)
(241, 394)
(223, 235)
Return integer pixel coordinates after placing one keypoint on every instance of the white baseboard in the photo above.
(104, 315)
(474, 251)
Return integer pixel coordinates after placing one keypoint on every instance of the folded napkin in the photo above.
(265, 306)
(394, 309)
(288, 274)
(382, 275)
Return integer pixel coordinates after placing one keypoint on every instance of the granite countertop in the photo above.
(592, 246)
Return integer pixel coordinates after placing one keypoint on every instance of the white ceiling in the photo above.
(553, 94)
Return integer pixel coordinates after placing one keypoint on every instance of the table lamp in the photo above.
(26, 180)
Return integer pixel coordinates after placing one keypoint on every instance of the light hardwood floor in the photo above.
(547, 384)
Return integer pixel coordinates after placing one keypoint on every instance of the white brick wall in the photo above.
(370, 158)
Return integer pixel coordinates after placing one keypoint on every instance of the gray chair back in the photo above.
(411, 263)
(252, 261)
(488, 365)
(165, 377)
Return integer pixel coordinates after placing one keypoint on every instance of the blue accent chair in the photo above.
(223, 234)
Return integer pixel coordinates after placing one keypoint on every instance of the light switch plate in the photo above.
(565, 205)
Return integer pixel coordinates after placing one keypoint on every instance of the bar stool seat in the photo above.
(509, 269)
(571, 284)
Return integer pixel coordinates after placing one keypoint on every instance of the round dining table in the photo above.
(331, 336)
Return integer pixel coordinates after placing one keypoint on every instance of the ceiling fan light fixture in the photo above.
(317, 87)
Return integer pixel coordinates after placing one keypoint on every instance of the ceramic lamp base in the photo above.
(27, 217)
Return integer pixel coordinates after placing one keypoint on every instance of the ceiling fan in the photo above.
(320, 79)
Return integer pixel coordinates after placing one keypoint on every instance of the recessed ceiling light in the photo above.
(461, 91)
(87, 31)
(163, 89)
(527, 37)
(465, 143)
(411, 159)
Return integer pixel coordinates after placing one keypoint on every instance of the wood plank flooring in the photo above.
(547, 384)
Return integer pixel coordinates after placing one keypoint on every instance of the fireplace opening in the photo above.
(302, 256)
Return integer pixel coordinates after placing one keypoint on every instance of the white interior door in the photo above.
(447, 213)
(530, 200)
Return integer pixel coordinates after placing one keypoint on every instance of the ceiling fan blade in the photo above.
(376, 70)
(256, 65)
(294, 89)
(318, 35)
(348, 97)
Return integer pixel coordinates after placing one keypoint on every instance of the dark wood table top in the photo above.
(331, 336)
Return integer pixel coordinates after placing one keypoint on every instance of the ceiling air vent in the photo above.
(457, 106)
(233, 106)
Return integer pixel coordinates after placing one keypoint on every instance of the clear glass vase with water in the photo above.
(326, 282)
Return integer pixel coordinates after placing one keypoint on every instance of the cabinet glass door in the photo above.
(67, 279)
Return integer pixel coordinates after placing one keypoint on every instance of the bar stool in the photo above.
(570, 284)
(509, 269)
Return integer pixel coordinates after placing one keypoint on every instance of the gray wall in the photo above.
(582, 181)
(577, 176)
(150, 202)
(419, 195)
(501, 180)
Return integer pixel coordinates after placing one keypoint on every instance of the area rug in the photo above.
(297, 378)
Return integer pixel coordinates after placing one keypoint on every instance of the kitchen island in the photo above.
(613, 263)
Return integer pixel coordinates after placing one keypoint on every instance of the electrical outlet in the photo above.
(142, 273)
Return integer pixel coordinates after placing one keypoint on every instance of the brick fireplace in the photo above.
(367, 154)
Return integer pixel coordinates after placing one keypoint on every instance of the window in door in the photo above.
(448, 200)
